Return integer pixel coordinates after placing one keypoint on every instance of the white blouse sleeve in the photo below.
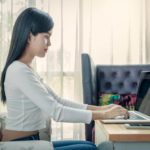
(31, 86)
(65, 102)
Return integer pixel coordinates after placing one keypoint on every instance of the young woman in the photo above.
(27, 97)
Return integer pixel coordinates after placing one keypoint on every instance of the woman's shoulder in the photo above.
(18, 72)
(17, 66)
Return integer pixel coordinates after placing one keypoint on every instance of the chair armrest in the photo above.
(24, 145)
(45, 134)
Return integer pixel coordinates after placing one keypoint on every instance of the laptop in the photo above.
(137, 126)
(141, 114)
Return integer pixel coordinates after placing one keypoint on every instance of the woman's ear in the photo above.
(30, 38)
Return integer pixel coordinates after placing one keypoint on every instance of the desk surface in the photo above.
(118, 132)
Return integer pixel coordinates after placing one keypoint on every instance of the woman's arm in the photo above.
(27, 83)
(95, 109)
(66, 102)
(98, 112)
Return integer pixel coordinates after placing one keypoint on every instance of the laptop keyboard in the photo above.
(135, 117)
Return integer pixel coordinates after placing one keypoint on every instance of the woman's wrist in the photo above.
(92, 107)
(98, 115)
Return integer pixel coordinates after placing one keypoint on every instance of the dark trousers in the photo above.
(74, 145)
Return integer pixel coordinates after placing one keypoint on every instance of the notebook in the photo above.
(141, 114)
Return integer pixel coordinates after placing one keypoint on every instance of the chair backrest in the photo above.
(121, 79)
(89, 80)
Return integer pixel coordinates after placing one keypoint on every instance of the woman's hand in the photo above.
(112, 112)
(105, 107)
(97, 108)
(115, 111)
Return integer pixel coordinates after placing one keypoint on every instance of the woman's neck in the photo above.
(26, 60)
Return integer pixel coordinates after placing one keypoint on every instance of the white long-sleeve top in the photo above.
(28, 97)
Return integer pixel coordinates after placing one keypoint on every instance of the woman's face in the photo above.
(38, 45)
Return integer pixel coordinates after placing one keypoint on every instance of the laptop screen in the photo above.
(143, 94)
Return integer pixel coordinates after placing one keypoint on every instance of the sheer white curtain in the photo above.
(111, 31)
(115, 31)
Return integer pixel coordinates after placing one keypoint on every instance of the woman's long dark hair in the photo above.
(31, 20)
